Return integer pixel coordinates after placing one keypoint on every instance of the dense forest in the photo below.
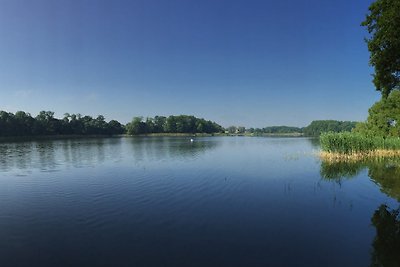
(317, 127)
(172, 124)
(275, 130)
(23, 124)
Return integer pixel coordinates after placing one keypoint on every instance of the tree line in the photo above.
(275, 130)
(172, 124)
(320, 126)
(23, 124)
(315, 128)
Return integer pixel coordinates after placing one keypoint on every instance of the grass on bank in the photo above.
(355, 146)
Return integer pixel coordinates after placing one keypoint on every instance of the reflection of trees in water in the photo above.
(84, 152)
(17, 155)
(383, 171)
(161, 148)
(49, 155)
(388, 177)
(314, 141)
(46, 155)
(386, 245)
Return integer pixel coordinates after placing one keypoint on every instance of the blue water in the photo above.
(166, 201)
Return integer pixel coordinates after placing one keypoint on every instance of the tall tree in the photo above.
(136, 126)
(383, 24)
(383, 117)
(159, 123)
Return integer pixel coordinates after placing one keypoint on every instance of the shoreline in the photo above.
(358, 156)
(4, 139)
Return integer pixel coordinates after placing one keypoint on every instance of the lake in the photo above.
(216, 201)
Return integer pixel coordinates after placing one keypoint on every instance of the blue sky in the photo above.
(238, 62)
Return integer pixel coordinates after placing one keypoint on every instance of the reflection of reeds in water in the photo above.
(336, 170)
(384, 171)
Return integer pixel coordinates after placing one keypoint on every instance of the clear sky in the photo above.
(254, 63)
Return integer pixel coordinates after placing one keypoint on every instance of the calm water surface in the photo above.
(217, 201)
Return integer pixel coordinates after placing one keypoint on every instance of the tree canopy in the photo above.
(383, 25)
(317, 127)
(383, 118)
(172, 124)
(23, 124)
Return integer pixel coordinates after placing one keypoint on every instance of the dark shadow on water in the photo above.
(53, 155)
(49, 155)
(161, 148)
(385, 172)
(339, 170)
(386, 244)
(315, 143)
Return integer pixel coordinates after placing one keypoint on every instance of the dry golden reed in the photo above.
(358, 156)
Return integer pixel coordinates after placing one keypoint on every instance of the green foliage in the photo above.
(349, 143)
(23, 124)
(172, 124)
(383, 117)
(114, 127)
(386, 244)
(136, 126)
(159, 122)
(281, 129)
(383, 25)
(314, 129)
(320, 126)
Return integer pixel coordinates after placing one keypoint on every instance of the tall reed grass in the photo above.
(348, 143)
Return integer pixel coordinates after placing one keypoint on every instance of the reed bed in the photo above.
(337, 157)
(354, 146)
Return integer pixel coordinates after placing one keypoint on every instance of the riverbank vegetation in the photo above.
(172, 124)
(317, 127)
(355, 146)
(22, 124)
(314, 129)
(379, 135)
